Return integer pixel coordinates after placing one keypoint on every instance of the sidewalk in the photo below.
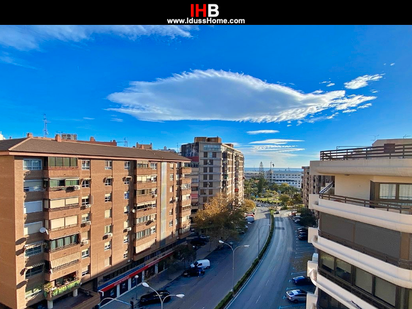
(157, 282)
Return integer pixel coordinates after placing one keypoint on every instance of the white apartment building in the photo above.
(364, 233)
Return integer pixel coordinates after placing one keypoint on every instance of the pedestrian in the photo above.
(132, 304)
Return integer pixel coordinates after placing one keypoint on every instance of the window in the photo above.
(108, 182)
(327, 262)
(33, 185)
(343, 270)
(34, 271)
(153, 166)
(126, 180)
(363, 280)
(126, 239)
(125, 209)
(108, 197)
(108, 165)
(30, 207)
(63, 242)
(85, 253)
(127, 165)
(62, 162)
(34, 249)
(387, 191)
(108, 213)
(85, 164)
(63, 222)
(405, 192)
(86, 183)
(107, 229)
(126, 195)
(85, 218)
(108, 245)
(32, 164)
(85, 270)
(171, 177)
(85, 200)
(385, 291)
(32, 228)
(171, 223)
(63, 182)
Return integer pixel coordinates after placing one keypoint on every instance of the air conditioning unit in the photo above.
(108, 235)
(76, 187)
(133, 210)
(129, 229)
(85, 242)
(87, 222)
(87, 206)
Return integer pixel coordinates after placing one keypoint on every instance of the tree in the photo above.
(284, 199)
(249, 205)
(220, 219)
(261, 185)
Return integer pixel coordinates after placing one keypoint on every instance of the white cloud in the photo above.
(88, 118)
(365, 106)
(262, 132)
(349, 111)
(116, 120)
(362, 81)
(221, 95)
(276, 141)
(32, 36)
(331, 84)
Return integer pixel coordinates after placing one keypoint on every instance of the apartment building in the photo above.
(80, 220)
(216, 168)
(313, 184)
(364, 234)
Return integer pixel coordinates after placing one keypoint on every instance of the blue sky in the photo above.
(280, 93)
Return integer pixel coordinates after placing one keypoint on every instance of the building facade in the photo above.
(86, 214)
(364, 234)
(313, 184)
(216, 168)
(292, 178)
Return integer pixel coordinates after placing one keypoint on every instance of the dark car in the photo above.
(153, 298)
(301, 280)
(193, 272)
(303, 236)
(302, 229)
(198, 242)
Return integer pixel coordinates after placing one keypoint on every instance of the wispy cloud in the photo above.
(32, 36)
(276, 141)
(117, 120)
(362, 81)
(222, 95)
(88, 118)
(262, 132)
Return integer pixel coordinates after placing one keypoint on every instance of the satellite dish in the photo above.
(44, 230)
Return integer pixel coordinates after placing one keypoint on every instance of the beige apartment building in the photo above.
(216, 168)
(82, 219)
(313, 184)
(364, 233)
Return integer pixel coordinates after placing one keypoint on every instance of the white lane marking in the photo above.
(258, 299)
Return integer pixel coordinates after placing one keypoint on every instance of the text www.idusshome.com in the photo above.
(191, 21)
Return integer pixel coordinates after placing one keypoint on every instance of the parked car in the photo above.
(303, 236)
(296, 295)
(303, 228)
(198, 242)
(152, 298)
(276, 212)
(204, 264)
(194, 272)
(301, 280)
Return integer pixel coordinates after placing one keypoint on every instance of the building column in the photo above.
(142, 274)
(49, 304)
(117, 290)
(75, 292)
(156, 268)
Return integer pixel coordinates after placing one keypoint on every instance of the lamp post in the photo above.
(259, 237)
(146, 285)
(233, 261)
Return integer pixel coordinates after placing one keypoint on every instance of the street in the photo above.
(283, 260)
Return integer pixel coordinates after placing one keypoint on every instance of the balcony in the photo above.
(391, 151)
(145, 171)
(145, 198)
(394, 207)
(140, 185)
(51, 292)
(64, 269)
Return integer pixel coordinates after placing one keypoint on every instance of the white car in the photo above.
(296, 295)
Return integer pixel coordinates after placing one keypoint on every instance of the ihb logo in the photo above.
(209, 10)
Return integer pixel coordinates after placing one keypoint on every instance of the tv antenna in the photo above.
(406, 136)
(45, 133)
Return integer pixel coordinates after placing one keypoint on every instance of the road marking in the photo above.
(258, 299)
(267, 282)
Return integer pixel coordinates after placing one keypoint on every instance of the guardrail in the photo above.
(386, 151)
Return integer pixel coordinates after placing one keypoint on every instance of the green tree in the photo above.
(284, 199)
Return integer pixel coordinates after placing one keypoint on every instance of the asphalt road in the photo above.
(285, 258)
(207, 291)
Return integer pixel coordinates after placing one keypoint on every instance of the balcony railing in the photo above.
(387, 151)
(51, 291)
(404, 209)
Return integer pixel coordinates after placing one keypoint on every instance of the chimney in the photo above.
(29, 134)
(58, 138)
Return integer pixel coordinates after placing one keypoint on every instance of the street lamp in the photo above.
(233, 261)
(146, 285)
(259, 236)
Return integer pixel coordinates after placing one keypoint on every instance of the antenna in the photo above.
(376, 137)
(45, 133)
(406, 136)
(125, 143)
